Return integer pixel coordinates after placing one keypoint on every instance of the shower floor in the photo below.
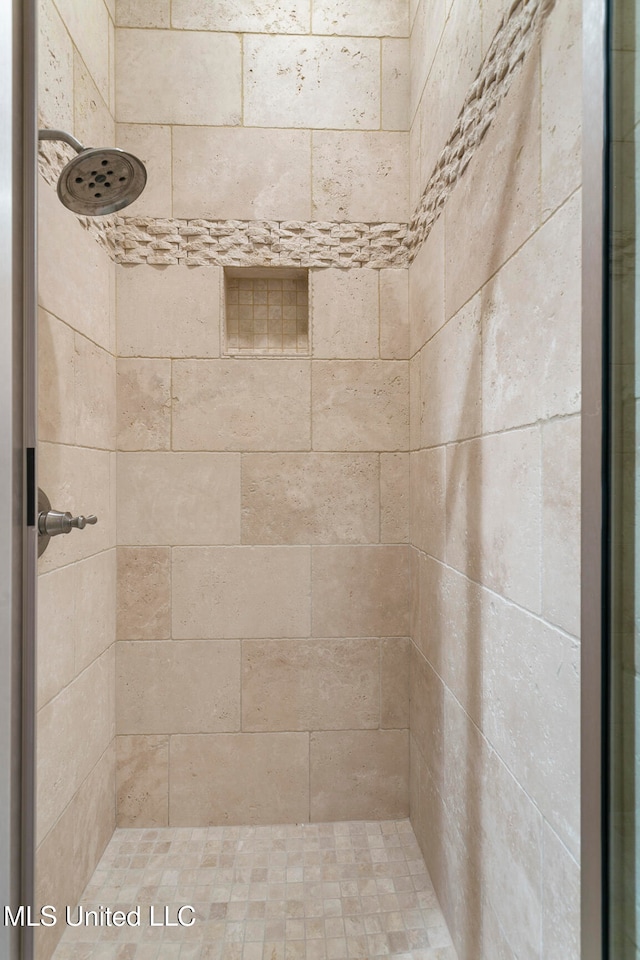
(312, 891)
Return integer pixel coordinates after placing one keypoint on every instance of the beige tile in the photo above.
(428, 501)
(169, 311)
(239, 778)
(344, 311)
(152, 145)
(415, 402)
(178, 498)
(55, 68)
(93, 124)
(427, 27)
(531, 328)
(79, 480)
(394, 314)
(142, 781)
(311, 82)
(494, 513)
(426, 289)
(155, 67)
(55, 632)
(493, 13)
(241, 174)
(143, 13)
(561, 900)
(426, 715)
(395, 84)
(73, 270)
(394, 682)
(74, 729)
(359, 775)
(144, 593)
(187, 687)
(237, 592)
(310, 498)
(377, 575)
(252, 16)
(451, 375)
(389, 18)
(95, 607)
(415, 183)
(360, 405)
(88, 24)
(310, 684)
(69, 854)
(359, 175)
(241, 405)
(561, 523)
(56, 380)
(95, 395)
(144, 404)
(394, 498)
(507, 165)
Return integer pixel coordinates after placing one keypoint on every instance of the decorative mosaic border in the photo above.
(296, 243)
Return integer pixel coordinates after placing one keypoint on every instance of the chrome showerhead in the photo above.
(99, 180)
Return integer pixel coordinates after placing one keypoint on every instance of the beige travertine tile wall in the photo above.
(76, 454)
(494, 476)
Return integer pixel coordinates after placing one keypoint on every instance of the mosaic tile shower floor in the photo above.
(313, 891)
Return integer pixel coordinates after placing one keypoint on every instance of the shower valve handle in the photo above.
(54, 522)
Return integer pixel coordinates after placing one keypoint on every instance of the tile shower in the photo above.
(334, 581)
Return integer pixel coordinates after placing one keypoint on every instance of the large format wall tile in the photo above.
(239, 778)
(426, 289)
(95, 607)
(344, 309)
(310, 684)
(88, 24)
(394, 498)
(93, 122)
(152, 144)
(55, 68)
(144, 404)
(394, 314)
(391, 18)
(95, 401)
(178, 498)
(156, 67)
(56, 380)
(395, 84)
(310, 498)
(394, 682)
(312, 82)
(144, 593)
(236, 592)
(428, 500)
(561, 899)
(142, 781)
(251, 16)
(56, 631)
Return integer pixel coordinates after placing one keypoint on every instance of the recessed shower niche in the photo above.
(266, 311)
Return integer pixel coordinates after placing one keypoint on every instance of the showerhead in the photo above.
(99, 180)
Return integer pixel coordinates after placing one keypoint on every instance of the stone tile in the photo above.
(394, 682)
(95, 400)
(415, 402)
(241, 778)
(93, 122)
(95, 607)
(344, 312)
(360, 774)
(394, 498)
(88, 24)
(169, 311)
(310, 498)
(531, 328)
(152, 144)
(426, 716)
(238, 592)
(56, 380)
(426, 289)
(494, 518)
(394, 314)
(561, 523)
(561, 900)
(252, 16)
(156, 66)
(310, 685)
(359, 175)
(178, 498)
(451, 376)
(143, 13)
(360, 405)
(269, 178)
(241, 405)
(377, 575)
(142, 781)
(187, 687)
(428, 485)
(312, 82)
(55, 632)
(561, 63)
(395, 84)
(427, 27)
(507, 164)
(391, 18)
(144, 404)
(55, 68)
(144, 593)
(493, 12)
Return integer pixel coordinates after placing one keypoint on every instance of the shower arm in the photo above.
(61, 135)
